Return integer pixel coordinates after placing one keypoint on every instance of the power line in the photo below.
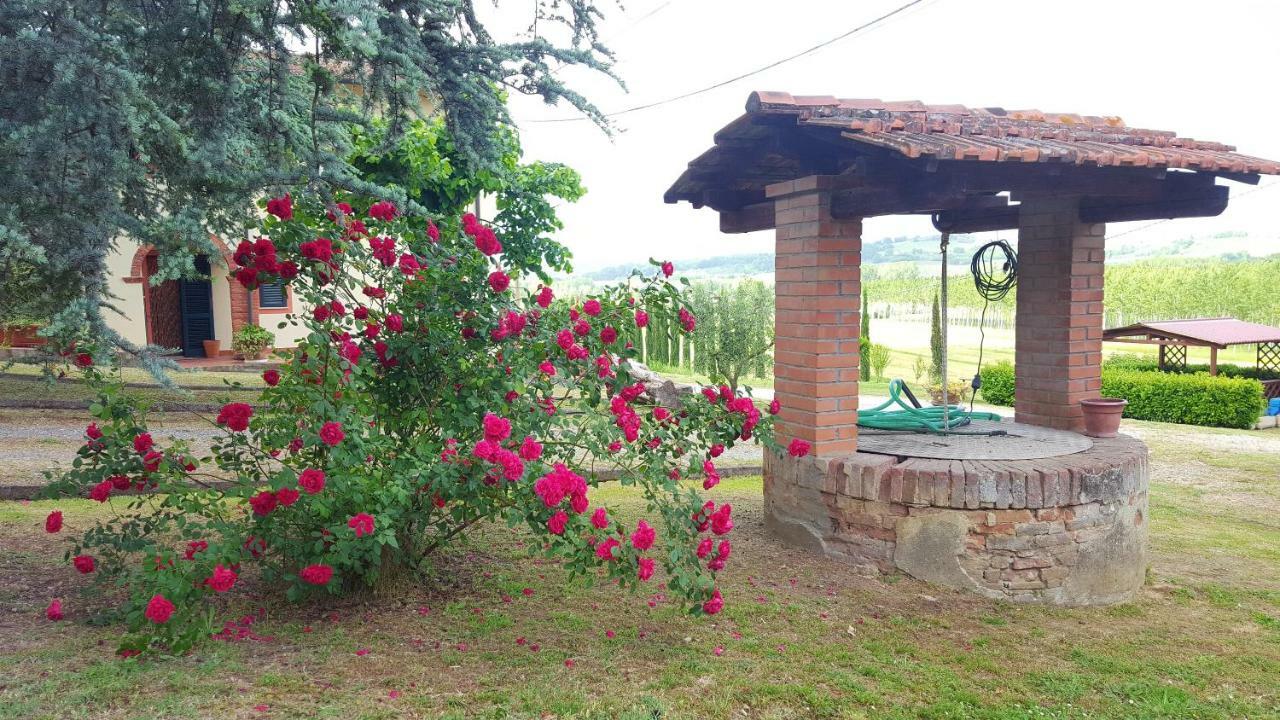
(865, 26)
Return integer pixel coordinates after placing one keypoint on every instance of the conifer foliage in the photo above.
(136, 121)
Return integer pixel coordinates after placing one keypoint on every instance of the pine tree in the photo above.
(162, 123)
(864, 367)
(935, 341)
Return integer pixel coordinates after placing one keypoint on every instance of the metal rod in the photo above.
(946, 394)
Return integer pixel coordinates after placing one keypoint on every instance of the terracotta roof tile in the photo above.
(746, 155)
(1215, 331)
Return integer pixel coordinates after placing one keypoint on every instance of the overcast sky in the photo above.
(1204, 70)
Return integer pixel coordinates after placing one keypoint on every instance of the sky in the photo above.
(1204, 70)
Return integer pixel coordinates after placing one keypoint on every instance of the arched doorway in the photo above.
(179, 313)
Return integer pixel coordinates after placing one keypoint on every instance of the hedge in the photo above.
(1186, 399)
(1163, 397)
(997, 383)
(1128, 361)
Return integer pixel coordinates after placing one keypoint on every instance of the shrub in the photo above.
(251, 340)
(429, 395)
(880, 356)
(1128, 361)
(1186, 399)
(997, 383)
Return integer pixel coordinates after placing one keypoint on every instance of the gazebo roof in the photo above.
(909, 157)
(1217, 332)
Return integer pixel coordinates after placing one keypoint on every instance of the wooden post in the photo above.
(1213, 360)
(1161, 365)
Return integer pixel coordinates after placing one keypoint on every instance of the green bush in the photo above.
(1189, 399)
(997, 383)
(251, 340)
(1128, 361)
(1185, 398)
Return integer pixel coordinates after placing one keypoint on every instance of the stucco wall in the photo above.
(131, 324)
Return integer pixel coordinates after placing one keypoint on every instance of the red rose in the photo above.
(774, 407)
(668, 269)
(311, 480)
(222, 579)
(84, 360)
(271, 377)
(54, 611)
(433, 232)
(642, 318)
(395, 323)
(798, 448)
(159, 610)
(499, 281)
(142, 443)
(643, 537)
(486, 241)
(331, 434)
(316, 574)
(608, 335)
(714, 605)
(194, 547)
(83, 563)
(645, 569)
(362, 523)
(235, 416)
(545, 296)
(557, 522)
(53, 523)
(383, 210)
(101, 491)
(263, 503)
(591, 307)
(287, 496)
(93, 432)
(281, 207)
(247, 276)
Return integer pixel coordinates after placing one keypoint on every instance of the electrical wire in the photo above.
(684, 96)
(993, 285)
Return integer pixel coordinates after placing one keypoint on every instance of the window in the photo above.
(272, 295)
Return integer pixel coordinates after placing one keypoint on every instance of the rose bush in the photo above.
(439, 385)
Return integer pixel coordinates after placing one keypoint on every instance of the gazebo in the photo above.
(1175, 336)
(1066, 528)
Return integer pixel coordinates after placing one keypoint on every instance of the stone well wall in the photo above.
(1068, 530)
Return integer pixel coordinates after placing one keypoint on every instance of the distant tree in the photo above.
(864, 346)
(163, 123)
(735, 330)
(935, 341)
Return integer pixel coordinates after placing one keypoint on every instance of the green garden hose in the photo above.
(907, 418)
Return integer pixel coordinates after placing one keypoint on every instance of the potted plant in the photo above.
(957, 393)
(1102, 416)
(252, 341)
(212, 348)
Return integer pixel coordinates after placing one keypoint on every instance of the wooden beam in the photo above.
(967, 220)
(748, 219)
(1204, 202)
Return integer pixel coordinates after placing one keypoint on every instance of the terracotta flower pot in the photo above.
(1102, 416)
(212, 348)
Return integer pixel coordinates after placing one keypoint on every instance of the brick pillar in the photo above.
(1058, 347)
(818, 305)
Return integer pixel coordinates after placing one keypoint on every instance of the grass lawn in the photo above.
(24, 382)
(802, 636)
